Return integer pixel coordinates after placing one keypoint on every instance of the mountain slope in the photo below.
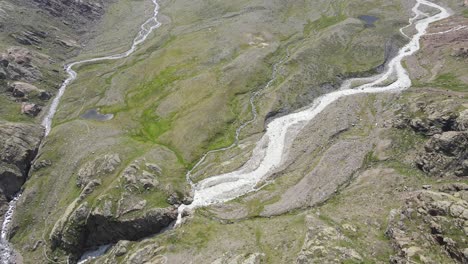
(186, 91)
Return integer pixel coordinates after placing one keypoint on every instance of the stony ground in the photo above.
(387, 186)
(361, 182)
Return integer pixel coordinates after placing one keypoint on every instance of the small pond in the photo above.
(94, 114)
(369, 20)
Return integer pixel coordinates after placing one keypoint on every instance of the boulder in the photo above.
(121, 248)
(30, 109)
(44, 95)
(22, 89)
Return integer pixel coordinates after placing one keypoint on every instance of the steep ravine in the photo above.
(23, 141)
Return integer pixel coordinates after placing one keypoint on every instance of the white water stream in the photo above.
(145, 29)
(6, 252)
(269, 153)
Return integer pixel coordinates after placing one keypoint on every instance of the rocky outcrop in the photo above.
(445, 154)
(135, 177)
(446, 151)
(147, 254)
(432, 227)
(29, 37)
(30, 109)
(72, 11)
(132, 207)
(18, 147)
(87, 228)
(18, 72)
(16, 64)
(324, 244)
(22, 89)
(431, 120)
(103, 229)
(96, 168)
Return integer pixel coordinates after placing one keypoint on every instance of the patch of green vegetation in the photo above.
(155, 199)
(255, 206)
(322, 23)
(152, 126)
(195, 236)
(405, 169)
(11, 111)
(404, 141)
(370, 159)
(153, 88)
(447, 81)
(465, 12)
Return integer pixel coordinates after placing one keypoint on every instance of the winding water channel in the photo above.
(6, 252)
(146, 28)
(269, 153)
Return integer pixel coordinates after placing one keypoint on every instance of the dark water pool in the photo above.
(369, 20)
(94, 114)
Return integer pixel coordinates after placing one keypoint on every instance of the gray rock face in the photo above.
(322, 245)
(22, 89)
(85, 228)
(136, 177)
(253, 258)
(72, 11)
(16, 64)
(430, 225)
(446, 151)
(18, 147)
(96, 168)
(430, 119)
(104, 230)
(445, 154)
(148, 254)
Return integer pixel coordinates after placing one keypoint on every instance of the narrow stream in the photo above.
(145, 29)
(273, 78)
(6, 252)
(269, 152)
